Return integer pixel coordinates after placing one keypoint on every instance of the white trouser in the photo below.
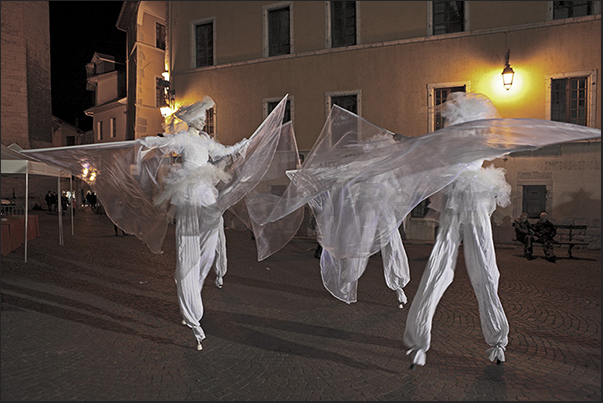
(196, 254)
(480, 260)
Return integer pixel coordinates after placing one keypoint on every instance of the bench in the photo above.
(565, 236)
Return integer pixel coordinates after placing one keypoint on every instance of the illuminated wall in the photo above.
(393, 67)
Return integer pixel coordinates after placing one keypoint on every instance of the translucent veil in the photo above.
(125, 179)
(361, 183)
(127, 176)
(272, 236)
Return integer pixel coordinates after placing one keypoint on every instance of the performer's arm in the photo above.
(172, 142)
(217, 150)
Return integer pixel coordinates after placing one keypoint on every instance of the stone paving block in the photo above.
(97, 319)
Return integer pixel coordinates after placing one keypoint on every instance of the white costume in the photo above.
(472, 198)
(190, 188)
(142, 191)
(469, 202)
(360, 183)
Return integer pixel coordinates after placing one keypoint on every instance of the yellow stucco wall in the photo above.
(393, 79)
(150, 65)
(393, 68)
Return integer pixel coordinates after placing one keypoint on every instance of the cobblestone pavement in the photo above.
(97, 319)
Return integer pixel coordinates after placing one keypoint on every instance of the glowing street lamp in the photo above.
(508, 73)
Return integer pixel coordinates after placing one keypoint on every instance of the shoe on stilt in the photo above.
(199, 346)
(183, 322)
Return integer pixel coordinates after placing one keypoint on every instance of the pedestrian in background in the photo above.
(48, 199)
(55, 202)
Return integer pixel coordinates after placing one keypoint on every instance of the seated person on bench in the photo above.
(524, 232)
(545, 231)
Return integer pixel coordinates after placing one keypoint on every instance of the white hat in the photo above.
(194, 115)
(464, 107)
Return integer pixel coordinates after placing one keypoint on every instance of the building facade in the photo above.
(66, 134)
(145, 25)
(393, 62)
(107, 79)
(26, 104)
(25, 68)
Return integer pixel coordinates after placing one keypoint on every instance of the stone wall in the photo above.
(25, 66)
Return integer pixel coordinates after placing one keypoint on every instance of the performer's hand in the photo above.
(244, 144)
(146, 141)
(151, 141)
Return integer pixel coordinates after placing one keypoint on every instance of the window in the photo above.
(437, 96)
(350, 101)
(204, 44)
(343, 23)
(347, 102)
(99, 129)
(571, 9)
(270, 105)
(534, 200)
(113, 128)
(70, 141)
(159, 93)
(447, 17)
(286, 143)
(279, 32)
(571, 97)
(420, 210)
(440, 95)
(160, 34)
(569, 100)
(210, 121)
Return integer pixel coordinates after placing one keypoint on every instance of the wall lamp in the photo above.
(508, 73)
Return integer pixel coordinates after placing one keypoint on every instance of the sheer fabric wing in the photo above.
(248, 170)
(272, 236)
(368, 182)
(258, 178)
(125, 180)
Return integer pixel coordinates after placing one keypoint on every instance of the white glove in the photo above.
(151, 141)
(242, 146)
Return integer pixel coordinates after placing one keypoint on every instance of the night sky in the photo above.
(77, 30)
